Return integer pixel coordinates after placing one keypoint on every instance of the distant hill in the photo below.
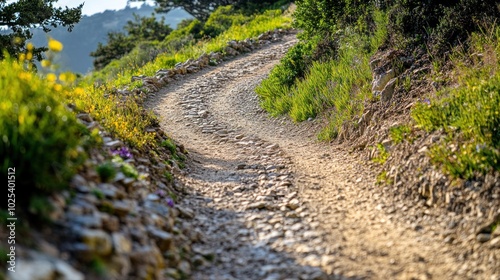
(79, 43)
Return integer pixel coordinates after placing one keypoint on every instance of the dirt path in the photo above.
(273, 203)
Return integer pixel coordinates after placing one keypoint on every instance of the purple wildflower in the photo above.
(123, 152)
(161, 193)
(427, 101)
(170, 202)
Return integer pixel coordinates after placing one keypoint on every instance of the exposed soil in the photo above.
(274, 203)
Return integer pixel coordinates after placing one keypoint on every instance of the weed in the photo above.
(383, 179)
(129, 170)
(168, 176)
(97, 193)
(106, 171)
(400, 133)
(382, 156)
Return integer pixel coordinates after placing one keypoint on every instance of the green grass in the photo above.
(469, 114)
(400, 133)
(337, 87)
(382, 156)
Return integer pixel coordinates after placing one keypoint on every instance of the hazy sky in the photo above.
(97, 6)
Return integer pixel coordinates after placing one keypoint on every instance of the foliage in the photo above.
(382, 156)
(470, 113)
(441, 23)
(137, 31)
(106, 171)
(40, 137)
(202, 9)
(399, 133)
(20, 16)
(221, 20)
(337, 81)
(125, 68)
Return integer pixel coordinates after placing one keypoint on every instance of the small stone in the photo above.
(185, 212)
(163, 239)
(121, 244)
(483, 237)
(293, 204)
(98, 241)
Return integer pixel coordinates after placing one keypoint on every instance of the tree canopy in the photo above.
(137, 31)
(19, 16)
(201, 9)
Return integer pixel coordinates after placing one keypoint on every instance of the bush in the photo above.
(442, 23)
(221, 20)
(39, 136)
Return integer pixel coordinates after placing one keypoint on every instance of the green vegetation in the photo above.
(470, 113)
(106, 171)
(382, 156)
(331, 76)
(40, 137)
(400, 133)
(142, 29)
(20, 16)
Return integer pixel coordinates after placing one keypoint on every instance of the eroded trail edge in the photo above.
(272, 203)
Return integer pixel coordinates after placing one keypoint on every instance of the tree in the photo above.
(120, 43)
(201, 9)
(19, 16)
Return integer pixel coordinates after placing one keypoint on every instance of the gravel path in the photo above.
(273, 203)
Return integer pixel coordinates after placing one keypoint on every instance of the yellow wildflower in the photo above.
(22, 57)
(29, 47)
(57, 87)
(29, 56)
(45, 63)
(51, 77)
(55, 45)
(63, 77)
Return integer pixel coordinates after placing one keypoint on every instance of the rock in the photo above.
(380, 81)
(119, 266)
(122, 207)
(113, 144)
(121, 244)
(163, 239)
(388, 90)
(483, 237)
(293, 204)
(85, 117)
(110, 223)
(147, 255)
(67, 272)
(185, 212)
(98, 241)
(42, 267)
(185, 267)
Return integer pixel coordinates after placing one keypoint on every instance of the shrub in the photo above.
(469, 114)
(442, 23)
(39, 136)
(106, 171)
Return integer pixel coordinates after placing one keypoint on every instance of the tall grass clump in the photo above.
(469, 114)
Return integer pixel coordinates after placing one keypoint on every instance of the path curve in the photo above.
(273, 203)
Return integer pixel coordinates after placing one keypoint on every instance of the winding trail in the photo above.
(273, 203)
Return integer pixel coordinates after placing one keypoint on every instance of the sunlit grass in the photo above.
(469, 114)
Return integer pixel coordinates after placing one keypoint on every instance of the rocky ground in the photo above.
(273, 203)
